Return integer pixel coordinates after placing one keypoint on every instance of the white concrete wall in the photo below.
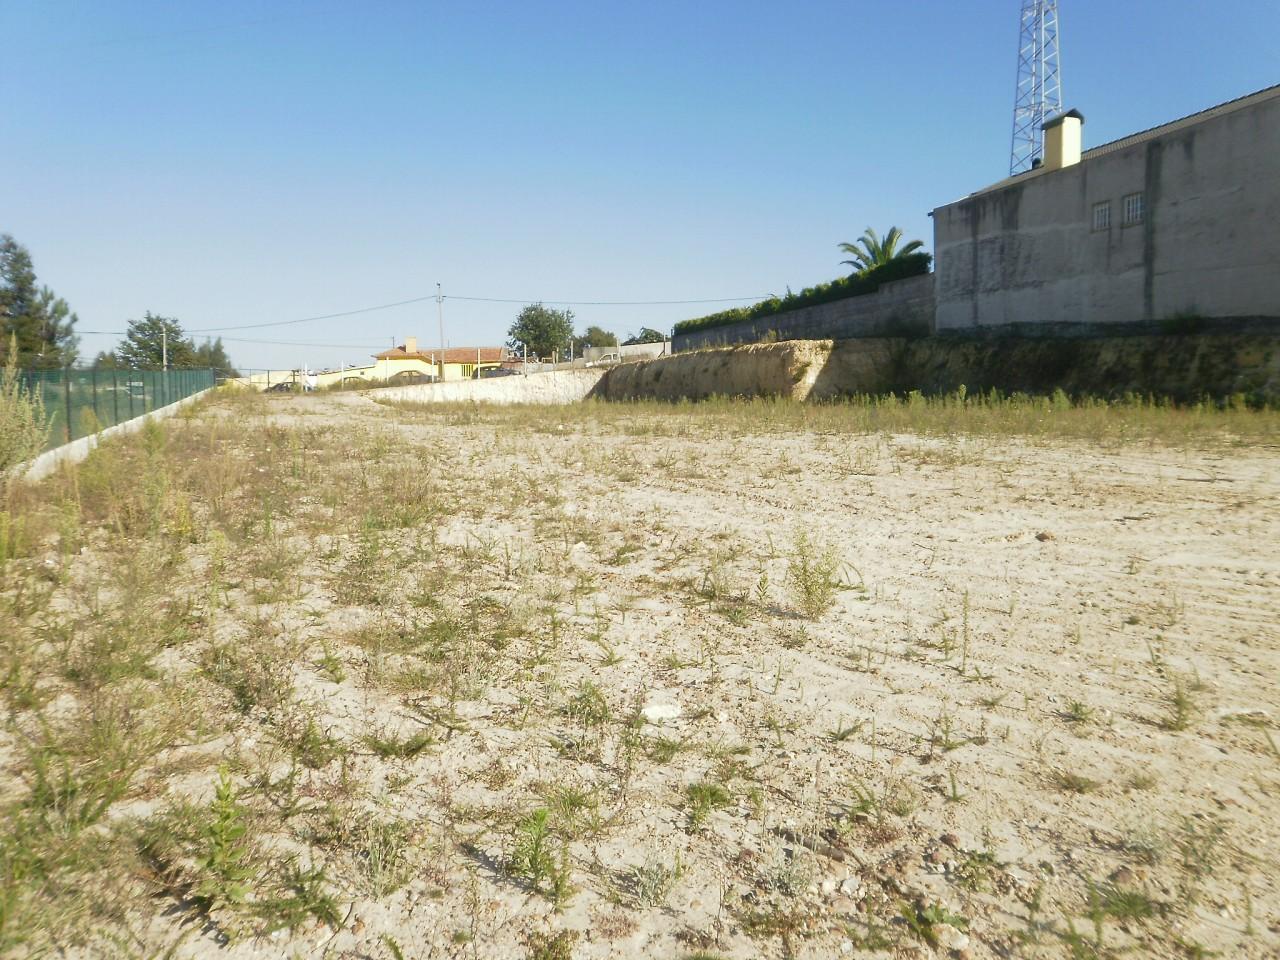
(77, 450)
(1208, 245)
(557, 386)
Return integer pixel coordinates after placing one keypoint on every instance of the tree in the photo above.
(646, 335)
(870, 251)
(542, 330)
(40, 322)
(215, 355)
(594, 337)
(147, 341)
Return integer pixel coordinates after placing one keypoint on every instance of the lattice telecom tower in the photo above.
(1039, 94)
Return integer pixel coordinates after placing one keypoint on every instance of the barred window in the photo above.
(1134, 208)
(1102, 215)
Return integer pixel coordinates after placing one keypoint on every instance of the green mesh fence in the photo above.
(81, 402)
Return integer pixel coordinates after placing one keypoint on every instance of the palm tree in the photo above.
(871, 252)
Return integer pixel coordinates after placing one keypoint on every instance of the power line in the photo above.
(402, 303)
(326, 316)
(278, 343)
(607, 303)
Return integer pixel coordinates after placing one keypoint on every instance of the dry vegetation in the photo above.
(318, 677)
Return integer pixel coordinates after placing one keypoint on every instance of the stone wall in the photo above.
(554, 386)
(901, 308)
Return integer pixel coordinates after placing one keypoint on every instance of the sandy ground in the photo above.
(1046, 683)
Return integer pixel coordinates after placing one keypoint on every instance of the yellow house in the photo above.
(407, 362)
(402, 364)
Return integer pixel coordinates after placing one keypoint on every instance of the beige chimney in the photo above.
(1062, 139)
(410, 344)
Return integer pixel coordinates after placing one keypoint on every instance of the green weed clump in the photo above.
(811, 575)
(24, 426)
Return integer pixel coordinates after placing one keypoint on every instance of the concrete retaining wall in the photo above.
(77, 450)
(901, 308)
(1183, 368)
(557, 386)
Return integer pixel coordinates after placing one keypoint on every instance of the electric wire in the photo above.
(423, 299)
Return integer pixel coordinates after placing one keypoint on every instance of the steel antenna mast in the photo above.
(1039, 92)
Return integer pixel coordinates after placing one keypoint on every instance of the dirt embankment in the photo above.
(787, 369)
(1183, 367)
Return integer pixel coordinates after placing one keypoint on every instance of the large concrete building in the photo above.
(1178, 223)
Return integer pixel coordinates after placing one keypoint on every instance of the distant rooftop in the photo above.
(451, 355)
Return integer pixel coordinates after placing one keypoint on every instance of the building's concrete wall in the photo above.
(901, 308)
(1209, 245)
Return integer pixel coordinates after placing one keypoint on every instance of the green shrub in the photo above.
(912, 265)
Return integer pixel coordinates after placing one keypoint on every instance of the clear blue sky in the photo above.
(241, 162)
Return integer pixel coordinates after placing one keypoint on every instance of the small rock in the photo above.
(951, 840)
(1044, 535)
(853, 887)
(661, 712)
(1122, 877)
(846, 946)
(949, 938)
(935, 856)
(846, 906)
(828, 887)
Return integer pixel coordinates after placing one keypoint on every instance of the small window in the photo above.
(1102, 215)
(468, 370)
(1133, 209)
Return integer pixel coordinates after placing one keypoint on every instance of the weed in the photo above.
(1181, 707)
(303, 895)
(650, 883)
(1074, 782)
(811, 575)
(923, 921)
(705, 797)
(1077, 712)
(552, 946)
(533, 857)
(387, 746)
(225, 863)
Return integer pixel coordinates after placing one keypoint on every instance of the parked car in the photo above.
(498, 372)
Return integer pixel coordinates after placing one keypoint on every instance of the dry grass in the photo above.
(308, 675)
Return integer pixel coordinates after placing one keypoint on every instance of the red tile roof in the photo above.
(451, 355)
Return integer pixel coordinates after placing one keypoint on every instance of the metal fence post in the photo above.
(66, 396)
(94, 374)
(115, 398)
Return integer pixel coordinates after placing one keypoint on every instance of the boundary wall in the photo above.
(903, 308)
(553, 386)
(78, 450)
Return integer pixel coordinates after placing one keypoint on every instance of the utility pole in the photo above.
(1039, 92)
(440, 316)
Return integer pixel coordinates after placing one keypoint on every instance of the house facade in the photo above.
(407, 362)
(1178, 223)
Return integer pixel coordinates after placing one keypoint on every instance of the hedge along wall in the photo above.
(912, 265)
(901, 309)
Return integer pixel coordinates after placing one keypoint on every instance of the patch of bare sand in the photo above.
(1038, 711)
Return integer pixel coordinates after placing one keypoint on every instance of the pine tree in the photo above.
(40, 321)
(144, 344)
